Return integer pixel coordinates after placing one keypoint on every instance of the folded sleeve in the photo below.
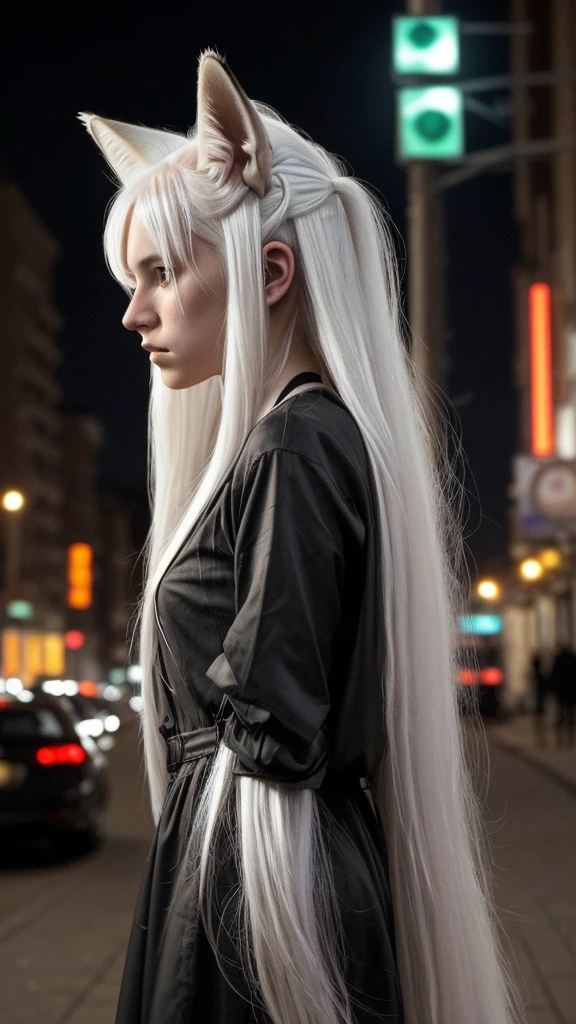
(295, 531)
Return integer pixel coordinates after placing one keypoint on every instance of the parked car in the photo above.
(52, 781)
(90, 714)
(93, 716)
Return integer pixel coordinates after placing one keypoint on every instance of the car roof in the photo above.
(39, 703)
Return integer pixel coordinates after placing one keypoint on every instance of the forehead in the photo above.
(137, 243)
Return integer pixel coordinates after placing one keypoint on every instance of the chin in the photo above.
(177, 381)
(175, 385)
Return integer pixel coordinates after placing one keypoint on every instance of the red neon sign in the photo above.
(541, 404)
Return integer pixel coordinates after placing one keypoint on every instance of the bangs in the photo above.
(165, 202)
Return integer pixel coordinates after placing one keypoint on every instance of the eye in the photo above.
(163, 274)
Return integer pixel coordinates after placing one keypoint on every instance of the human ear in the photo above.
(279, 268)
(225, 114)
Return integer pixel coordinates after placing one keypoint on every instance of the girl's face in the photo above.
(191, 341)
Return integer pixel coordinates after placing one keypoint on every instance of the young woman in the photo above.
(318, 851)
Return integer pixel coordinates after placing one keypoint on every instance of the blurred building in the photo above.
(545, 203)
(49, 455)
(119, 571)
(82, 436)
(543, 511)
(30, 453)
(101, 522)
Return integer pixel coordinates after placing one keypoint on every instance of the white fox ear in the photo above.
(130, 147)
(224, 111)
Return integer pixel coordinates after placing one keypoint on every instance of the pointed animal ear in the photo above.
(130, 147)
(224, 111)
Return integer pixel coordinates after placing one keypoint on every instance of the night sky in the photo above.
(327, 74)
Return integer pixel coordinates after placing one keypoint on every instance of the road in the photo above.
(63, 928)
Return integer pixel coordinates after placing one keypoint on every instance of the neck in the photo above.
(301, 358)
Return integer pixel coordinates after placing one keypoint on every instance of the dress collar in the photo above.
(307, 377)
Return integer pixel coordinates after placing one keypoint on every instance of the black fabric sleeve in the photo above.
(294, 534)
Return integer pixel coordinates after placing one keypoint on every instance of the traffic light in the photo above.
(79, 576)
(426, 46)
(430, 123)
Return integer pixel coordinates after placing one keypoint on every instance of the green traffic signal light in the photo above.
(429, 46)
(430, 123)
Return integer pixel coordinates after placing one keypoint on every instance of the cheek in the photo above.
(204, 307)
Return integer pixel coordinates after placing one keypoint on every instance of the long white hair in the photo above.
(452, 968)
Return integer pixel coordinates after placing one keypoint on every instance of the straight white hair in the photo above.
(451, 961)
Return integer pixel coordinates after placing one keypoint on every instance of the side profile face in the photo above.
(191, 339)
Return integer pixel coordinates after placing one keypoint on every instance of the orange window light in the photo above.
(542, 412)
(79, 576)
(11, 653)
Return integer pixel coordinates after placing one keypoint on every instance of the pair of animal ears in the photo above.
(223, 110)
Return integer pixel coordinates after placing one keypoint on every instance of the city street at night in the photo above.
(65, 926)
(287, 485)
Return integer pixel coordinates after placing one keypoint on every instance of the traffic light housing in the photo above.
(426, 46)
(430, 123)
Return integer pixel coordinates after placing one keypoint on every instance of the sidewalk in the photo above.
(518, 735)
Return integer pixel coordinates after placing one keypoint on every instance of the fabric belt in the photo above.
(188, 746)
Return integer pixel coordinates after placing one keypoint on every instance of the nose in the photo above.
(140, 316)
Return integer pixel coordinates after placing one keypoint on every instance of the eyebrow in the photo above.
(145, 262)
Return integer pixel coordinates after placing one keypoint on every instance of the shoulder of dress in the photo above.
(316, 425)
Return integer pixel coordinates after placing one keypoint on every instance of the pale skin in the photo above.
(194, 340)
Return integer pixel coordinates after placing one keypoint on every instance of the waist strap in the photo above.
(188, 746)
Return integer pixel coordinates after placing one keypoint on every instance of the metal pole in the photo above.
(418, 249)
(13, 554)
(426, 275)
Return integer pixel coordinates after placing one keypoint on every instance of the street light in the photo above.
(551, 558)
(489, 590)
(13, 501)
(531, 569)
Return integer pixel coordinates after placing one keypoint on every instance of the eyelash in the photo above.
(160, 270)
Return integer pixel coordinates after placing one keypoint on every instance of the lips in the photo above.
(153, 348)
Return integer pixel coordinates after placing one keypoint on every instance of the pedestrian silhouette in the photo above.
(541, 669)
(563, 682)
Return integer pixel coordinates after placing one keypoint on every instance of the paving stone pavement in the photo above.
(538, 745)
(532, 822)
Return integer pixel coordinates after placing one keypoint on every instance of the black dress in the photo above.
(269, 609)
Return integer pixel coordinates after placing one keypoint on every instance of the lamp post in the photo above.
(13, 503)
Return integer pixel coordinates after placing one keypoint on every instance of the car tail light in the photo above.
(468, 677)
(67, 753)
(491, 676)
